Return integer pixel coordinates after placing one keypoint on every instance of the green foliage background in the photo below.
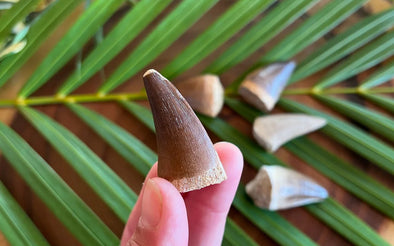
(246, 26)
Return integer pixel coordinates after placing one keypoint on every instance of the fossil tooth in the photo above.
(186, 154)
(262, 88)
(204, 93)
(272, 131)
(276, 187)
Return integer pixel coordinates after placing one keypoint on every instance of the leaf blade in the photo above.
(368, 56)
(15, 224)
(267, 28)
(379, 77)
(313, 28)
(123, 33)
(371, 119)
(343, 44)
(383, 101)
(119, 197)
(341, 172)
(12, 16)
(356, 140)
(83, 29)
(53, 191)
(333, 214)
(39, 31)
(133, 150)
(234, 235)
(186, 13)
(222, 29)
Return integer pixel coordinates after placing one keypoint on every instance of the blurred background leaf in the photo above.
(79, 144)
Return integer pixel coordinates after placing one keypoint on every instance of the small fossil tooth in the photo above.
(276, 187)
(272, 131)
(204, 93)
(186, 155)
(262, 88)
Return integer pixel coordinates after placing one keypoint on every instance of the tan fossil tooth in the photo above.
(262, 88)
(204, 93)
(272, 131)
(186, 154)
(276, 187)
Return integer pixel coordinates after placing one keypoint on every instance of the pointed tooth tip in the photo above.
(153, 75)
(149, 72)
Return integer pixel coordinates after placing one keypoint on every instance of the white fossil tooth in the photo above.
(276, 187)
(272, 131)
(262, 88)
(204, 93)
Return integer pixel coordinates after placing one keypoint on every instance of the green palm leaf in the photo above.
(316, 26)
(39, 31)
(275, 21)
(379, 77)
(373, 120)
(94, 171)
(63, 202)
(126, 30)
(71, 43)
(343, 44)
(244, 33)
(179, 20)
(333, 167)
(228, 24)
(15, 224)
(368, 56)
(329, 211)
(352, 137)
(15, 14)
(383, 101)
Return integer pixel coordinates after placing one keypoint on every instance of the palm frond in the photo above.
(371, 148)
(56, 194)
(333, 167)
(10, 18)
(95, 172)
(124, 32)
(245, 33)
(39, 31)
(85, 27)
(15, 223)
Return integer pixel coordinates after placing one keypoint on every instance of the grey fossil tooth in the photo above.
(204, 93)
(262, 88)
(272, 131)
(276, 187)
(186, 156)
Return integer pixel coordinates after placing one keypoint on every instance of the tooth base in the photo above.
(209, 177)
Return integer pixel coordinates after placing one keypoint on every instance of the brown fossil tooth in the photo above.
(276, 187)
(262, 88)
(204, 93)
(186, 154)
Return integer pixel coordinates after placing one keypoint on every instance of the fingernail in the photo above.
(151, 205)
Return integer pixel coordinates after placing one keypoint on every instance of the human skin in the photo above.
(163, 216)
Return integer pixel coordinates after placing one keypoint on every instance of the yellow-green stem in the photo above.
(44, 100)
(141, 95)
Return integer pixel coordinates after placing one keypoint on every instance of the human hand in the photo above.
(163, 216)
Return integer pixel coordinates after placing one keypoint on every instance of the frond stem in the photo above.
(84, 98)
(141, 95)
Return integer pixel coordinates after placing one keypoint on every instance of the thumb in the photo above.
(163, 219)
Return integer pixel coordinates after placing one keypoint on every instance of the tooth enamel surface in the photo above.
(276, 187)
(272, 131)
